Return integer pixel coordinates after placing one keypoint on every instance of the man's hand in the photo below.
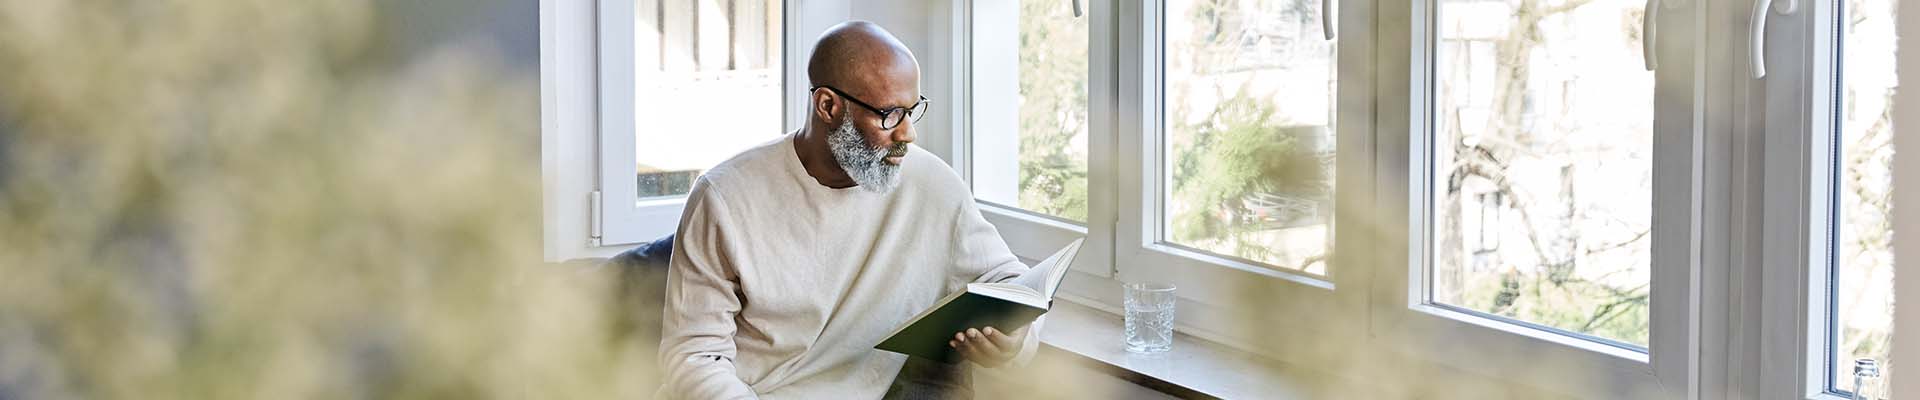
(988, 347)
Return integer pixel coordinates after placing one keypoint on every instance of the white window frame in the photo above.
(1372, 159)
(650, 218)
(1530, 355)
(620, 221)
(1907, 191)
(1745, 257)
(1797, 140)
(1219, 285)
(568, 128)
(587, 121)
(1124, 118)
(1029, 234)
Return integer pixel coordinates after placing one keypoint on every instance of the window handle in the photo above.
(1757, 38)
(1647, 34)
(1078, 9)
(1326, 18)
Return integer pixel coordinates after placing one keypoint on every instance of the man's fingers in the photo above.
(973, 352)
(987, 347)
(978, 353)
(980, 340)
(966, 347)
(1001, 340)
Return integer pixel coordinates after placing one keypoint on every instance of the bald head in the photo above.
(860, 75)
(870, 73)
(853, 52)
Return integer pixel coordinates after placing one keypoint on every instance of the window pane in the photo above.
(1030, 107)
(708, 86)
(1862, 248)
(1249, 88)
(1542, 162)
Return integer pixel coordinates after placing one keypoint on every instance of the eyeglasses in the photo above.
(889, 118)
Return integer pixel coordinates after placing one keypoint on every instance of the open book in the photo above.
(1005, 306)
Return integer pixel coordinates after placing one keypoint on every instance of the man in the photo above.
(795, 257)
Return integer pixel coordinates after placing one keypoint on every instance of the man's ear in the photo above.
(824, 105)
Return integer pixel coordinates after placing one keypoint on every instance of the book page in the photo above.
(1009, 292)
(1044, 278)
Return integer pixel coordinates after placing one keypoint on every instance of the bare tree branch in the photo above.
(1563, 7)
(1628, 242)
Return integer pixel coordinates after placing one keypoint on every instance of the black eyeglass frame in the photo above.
(887, 114)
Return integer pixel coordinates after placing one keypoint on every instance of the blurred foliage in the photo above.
(1575, 305)
(1568, 275)
(1244, 169)
(1053, 110)
(264, 199)
(1238, 150)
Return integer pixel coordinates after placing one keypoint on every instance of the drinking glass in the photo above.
(1149, 317)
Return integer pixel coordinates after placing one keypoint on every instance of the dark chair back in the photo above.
(642, 289)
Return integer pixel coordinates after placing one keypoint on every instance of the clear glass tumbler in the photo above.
(1149, 317)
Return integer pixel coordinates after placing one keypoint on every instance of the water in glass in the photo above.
(1149, 319)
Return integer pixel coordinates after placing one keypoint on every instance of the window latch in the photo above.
(1648, 20)
(1326, 18)
(594, 216)
(1757, 38)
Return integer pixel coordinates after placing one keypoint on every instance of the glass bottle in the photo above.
(1866, 379)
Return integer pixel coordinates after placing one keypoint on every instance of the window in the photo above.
(1082, 150)
(1228, 150)
(1030, 114)
(681, 85)
(1249, 142)
(1033, 123)
(1535, 198)
(1860, 297)
(1232, 126)
(1541, 188)
(1551, 178)
(1543, 141)
(1829, 77)
(708, 85)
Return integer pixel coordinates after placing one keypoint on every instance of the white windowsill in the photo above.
(1193, 368)
(1242, 265)
(1563, 339)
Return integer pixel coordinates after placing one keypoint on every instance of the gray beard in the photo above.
(865, 163)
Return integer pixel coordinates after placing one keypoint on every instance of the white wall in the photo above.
(568, 96)
(918, 23)
(1906, 213)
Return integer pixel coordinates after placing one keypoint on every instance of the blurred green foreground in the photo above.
(270, 199)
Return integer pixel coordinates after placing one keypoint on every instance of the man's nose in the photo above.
(905, 133)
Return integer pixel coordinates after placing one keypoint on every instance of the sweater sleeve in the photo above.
(984, 257)
(697, 326)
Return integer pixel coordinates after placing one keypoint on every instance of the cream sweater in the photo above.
(779, 287)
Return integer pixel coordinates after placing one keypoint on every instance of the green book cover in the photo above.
(1005, 306)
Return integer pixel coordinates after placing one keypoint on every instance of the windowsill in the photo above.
(1194, 368)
